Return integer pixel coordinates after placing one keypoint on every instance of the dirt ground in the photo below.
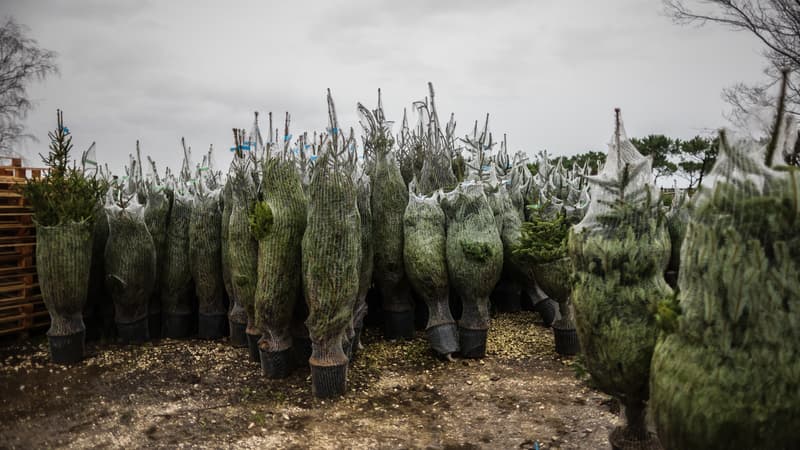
(205, 394)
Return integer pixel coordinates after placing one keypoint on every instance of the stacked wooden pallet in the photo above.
(21, 305)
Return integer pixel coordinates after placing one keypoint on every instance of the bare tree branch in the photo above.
(776, 23)
(21, 61)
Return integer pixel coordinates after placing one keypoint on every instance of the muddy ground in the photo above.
(196, 393)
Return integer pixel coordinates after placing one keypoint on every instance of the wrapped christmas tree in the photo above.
(366, 267)
(619, 251)
(176, 281)
(388, 204)
(279, 220)
(726, 370)
(130, 263)
(156, 215)
(474, 261)
(331, 261)
(64, 204)
(205, 253)
(426, 265)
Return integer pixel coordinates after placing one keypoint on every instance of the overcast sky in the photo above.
(549, 72)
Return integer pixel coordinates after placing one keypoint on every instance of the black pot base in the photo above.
(473, 342)
(177, 326)
(154, 325)
(238, 334)
(398, 325)
(212, 326)
(275, 365)
(547, 310)
(566, 341)
(443, 338)
(620, 441)
(68, 349)
(328, 381)
(135, 332)
(252, 347)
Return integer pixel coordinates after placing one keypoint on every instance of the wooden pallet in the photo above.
(20, 318)
(21, 304)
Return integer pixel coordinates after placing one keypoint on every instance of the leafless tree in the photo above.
(776, 23)
(21, 61)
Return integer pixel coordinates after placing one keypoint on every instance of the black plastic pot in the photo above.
(212, 326)
(67, 349)
(566, 341)
(619, 440)
(238, 335)
(328, 381)
(134, 332)
(472, 342)
(398, 325)
(444, 338)
(276, 365)
(177, 326)
(547, 310)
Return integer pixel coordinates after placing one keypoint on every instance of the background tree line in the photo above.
(689, 159)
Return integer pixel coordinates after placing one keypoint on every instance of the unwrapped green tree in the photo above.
(64, 203)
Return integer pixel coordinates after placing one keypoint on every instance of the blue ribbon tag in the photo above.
(313, 157)
(287, 138)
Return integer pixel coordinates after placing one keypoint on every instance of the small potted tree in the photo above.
(64, 202)
(542, 256)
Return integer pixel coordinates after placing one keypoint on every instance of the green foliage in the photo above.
(662, 149)
(260, 220)
(543, 240)
(696, 158)
(666, 312)
(64, 194)
(477, 251)
(728, 374)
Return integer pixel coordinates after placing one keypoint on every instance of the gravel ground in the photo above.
(206, 394)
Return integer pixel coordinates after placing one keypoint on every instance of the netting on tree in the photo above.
(388, 203)
(205, 251)
(331, 260)
(732, 340)
(176, 280)
(278, 222)
(619, 251)
(364, 192)
(130, 263)
(474, 259)
(426, 266)
(156, 216)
